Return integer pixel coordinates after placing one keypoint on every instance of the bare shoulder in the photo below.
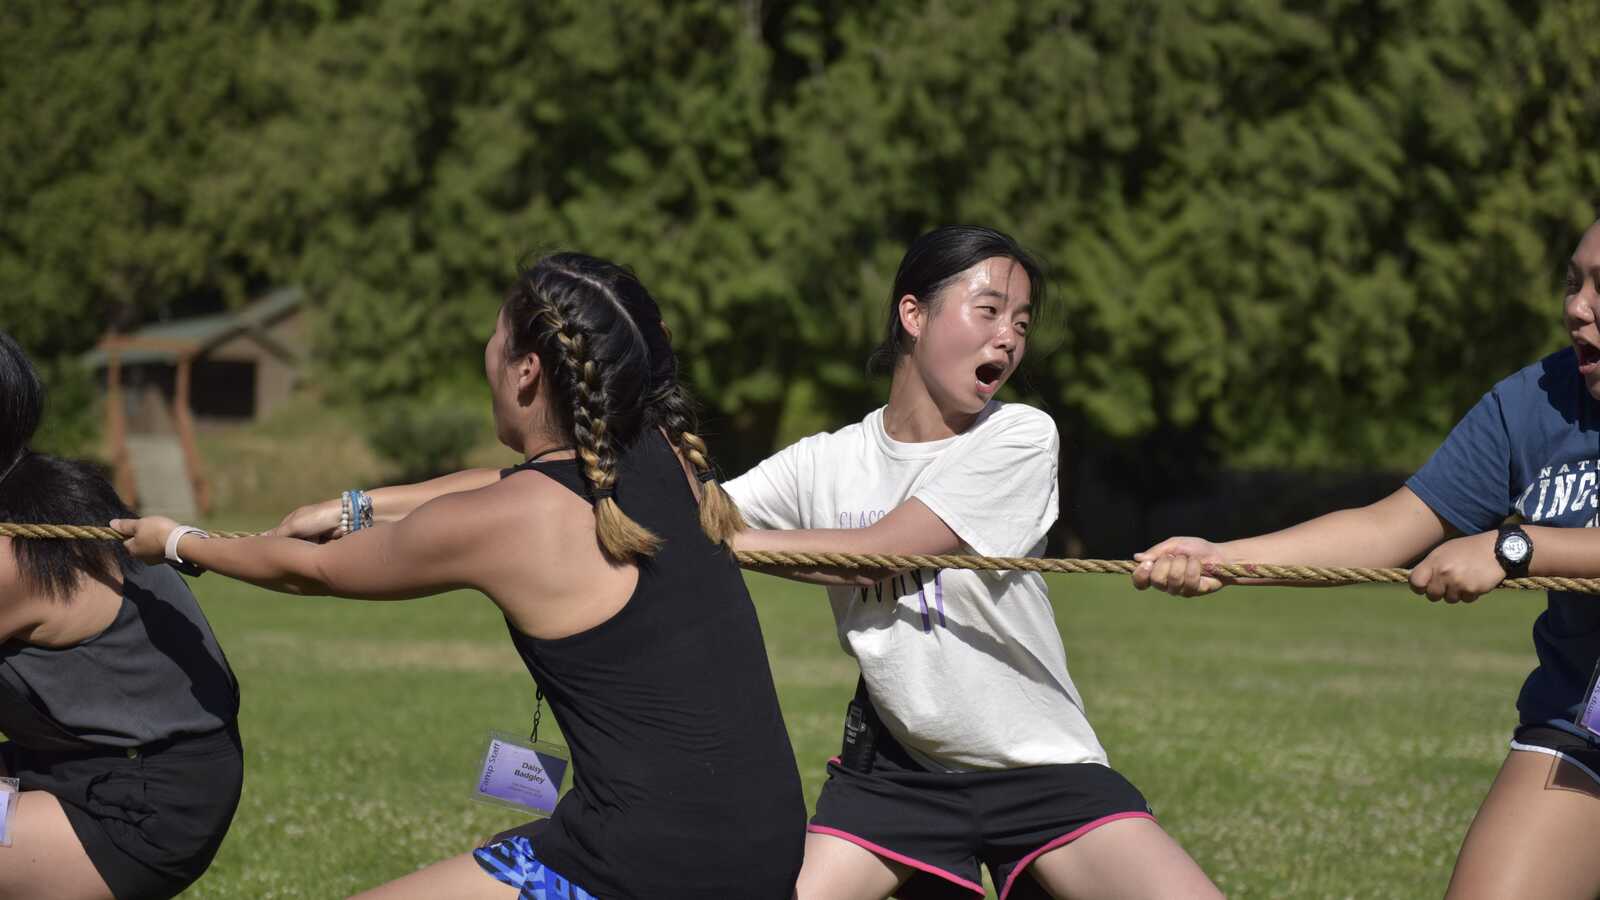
(538, 510)
(546, 570)
(529, 488)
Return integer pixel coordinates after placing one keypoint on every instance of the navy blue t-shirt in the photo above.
(1531, 446)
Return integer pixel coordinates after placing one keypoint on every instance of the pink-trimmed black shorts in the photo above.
(944, 825)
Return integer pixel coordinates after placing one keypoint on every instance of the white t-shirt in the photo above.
(966, 668)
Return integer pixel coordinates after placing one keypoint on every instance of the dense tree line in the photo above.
(1282, 233)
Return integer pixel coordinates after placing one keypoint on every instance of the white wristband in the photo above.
(177, 535)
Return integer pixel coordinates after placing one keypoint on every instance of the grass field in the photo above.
(1299, 743)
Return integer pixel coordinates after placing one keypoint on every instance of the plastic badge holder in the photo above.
(1589, 720)
(8, 805)
(521, 774)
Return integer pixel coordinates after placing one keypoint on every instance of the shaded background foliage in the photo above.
(1283, 234)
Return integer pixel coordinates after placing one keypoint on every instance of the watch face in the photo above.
(1514, 548)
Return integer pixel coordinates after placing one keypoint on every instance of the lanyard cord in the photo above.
(538, 712)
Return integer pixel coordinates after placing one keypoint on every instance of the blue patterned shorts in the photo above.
(511, 861)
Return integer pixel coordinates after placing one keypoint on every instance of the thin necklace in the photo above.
(543, 453)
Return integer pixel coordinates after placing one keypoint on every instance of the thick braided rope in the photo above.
(86, 532)
(1313, 574)
(759, 559)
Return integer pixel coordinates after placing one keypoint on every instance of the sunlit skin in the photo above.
(968, 341)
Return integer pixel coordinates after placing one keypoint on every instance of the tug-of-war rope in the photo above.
(1329, 575)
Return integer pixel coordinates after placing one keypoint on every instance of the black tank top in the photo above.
(684, 781)
(155, 673)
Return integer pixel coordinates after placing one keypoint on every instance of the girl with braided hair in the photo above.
(117, 704)
(967, 742)
(606, 552)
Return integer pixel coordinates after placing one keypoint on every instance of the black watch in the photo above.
(1513, 549)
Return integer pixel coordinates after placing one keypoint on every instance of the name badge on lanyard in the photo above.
(525, 775)
(1589, 719)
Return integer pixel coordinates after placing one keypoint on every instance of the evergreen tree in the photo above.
(1282, 233)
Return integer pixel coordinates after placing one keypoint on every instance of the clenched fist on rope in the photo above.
(1456, 571)
(154, 539)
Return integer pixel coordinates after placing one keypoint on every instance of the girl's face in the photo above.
(971, 337)
(1582, 309)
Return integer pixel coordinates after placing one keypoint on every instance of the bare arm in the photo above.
(1391, 532)
(1574, 552)
(389, 504)
(910, 528)
(435, 549)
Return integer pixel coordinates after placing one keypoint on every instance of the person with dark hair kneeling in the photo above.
(117, 702)
(605, 551)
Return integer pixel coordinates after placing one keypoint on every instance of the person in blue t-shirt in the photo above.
(1500, 497)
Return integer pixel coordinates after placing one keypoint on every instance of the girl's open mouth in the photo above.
(989, 375)
(1588, 356)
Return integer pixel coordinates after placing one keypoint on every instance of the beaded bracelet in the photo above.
(355, 511)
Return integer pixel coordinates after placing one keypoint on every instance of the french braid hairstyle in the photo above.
(598, 334)
(719, 515)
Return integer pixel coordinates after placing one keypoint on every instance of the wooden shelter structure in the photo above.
(161, 379)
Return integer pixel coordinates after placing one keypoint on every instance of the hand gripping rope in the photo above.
(1330, 575)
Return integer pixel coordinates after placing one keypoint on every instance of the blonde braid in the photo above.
(621, 538)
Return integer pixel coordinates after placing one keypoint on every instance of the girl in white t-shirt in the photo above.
(966, 743)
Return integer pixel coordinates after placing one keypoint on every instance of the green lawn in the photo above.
(1300, 743)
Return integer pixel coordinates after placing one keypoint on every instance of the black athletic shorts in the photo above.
(1581, 752)
(943, 824)
(151, 818)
